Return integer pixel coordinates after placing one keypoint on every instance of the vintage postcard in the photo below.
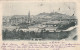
(39, 25)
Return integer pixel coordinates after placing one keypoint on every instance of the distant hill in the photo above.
(55, 15)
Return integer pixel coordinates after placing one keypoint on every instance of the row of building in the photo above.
(54, 19)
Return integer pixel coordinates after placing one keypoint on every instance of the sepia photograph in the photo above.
(39, 21)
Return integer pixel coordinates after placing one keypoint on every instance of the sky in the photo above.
(22, 8)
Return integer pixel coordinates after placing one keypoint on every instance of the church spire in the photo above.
(29, 17)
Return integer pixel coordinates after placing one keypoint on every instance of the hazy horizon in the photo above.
(22, 8)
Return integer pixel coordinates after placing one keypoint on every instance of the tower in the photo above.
(29, 20)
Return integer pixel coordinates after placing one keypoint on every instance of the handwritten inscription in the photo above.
(37, 45)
